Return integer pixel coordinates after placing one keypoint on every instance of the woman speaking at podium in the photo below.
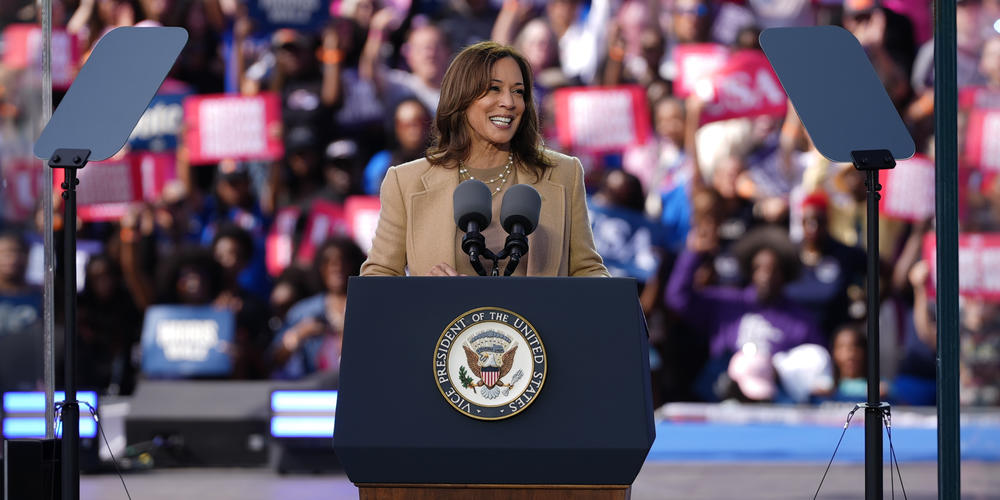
(486, 129)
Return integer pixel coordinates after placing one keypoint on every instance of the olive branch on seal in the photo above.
(464, 377)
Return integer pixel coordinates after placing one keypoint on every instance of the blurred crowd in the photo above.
(754, 281)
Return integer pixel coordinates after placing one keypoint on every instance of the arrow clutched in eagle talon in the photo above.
(517, 376)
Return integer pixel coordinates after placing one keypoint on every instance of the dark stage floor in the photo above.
(658, 480)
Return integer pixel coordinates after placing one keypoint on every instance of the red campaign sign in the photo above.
(280, 244)
(155, 171)
(695, 62)
(982, 139)
(223, 126)
(23, 49)
(978, 98)
(326, 219)
(362, 215)
(745, 86)
(23, 187)
(908, 189)
(978, 260)
(602, 119)
(107, 188)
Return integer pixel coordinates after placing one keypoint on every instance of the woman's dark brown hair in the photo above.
(468, 79)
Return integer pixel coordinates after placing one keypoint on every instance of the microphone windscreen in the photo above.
(521, 204)
(472, 202)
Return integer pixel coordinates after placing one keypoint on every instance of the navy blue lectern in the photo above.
(585, 434)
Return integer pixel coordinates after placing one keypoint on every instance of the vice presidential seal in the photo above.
(489, 363)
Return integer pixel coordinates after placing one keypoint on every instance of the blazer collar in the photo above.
(436, 198)
(545, 244)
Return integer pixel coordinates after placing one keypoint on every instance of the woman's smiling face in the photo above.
(495, 117)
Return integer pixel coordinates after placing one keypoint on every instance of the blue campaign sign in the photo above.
(160, 124)
(187, 341)
(306, 15)
(626, 241)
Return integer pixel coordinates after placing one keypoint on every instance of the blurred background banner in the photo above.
(743, 86)
(107, 191)
(186, 341)
(601, 119)
(160, 125)
(626, 240)
(222, 127)
(696, 62)
(908, 189)
(324, 221)
(270, 15)
(981, 147)
(23, 49)
(979, 257)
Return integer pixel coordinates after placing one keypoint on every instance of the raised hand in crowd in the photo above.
(513, 14)
(923, 321)
(137, 228)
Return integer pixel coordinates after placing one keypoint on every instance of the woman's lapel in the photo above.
(545, 244)
(431, 221)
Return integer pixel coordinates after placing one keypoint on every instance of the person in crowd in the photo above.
(200, 63)
(979, 340)
(829, 268)
(20, 318)
(425, 52)
(887, 36)
(486, 128)
(342, 171)
(466, 22)
(109, 325)
(92, 19)
(989, 62)
(688, 21)
(581, 38)
(233, 249)
(358, 109)
(295, 283)
(622, 190)
(235, 203)
(636, 49)
(849, 346)
(908, 356)
(411, 133)
(538, 43)
(314, 330)
(663, 165)
(731, 317)
(191, 276)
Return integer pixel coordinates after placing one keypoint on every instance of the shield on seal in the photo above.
(490, 376)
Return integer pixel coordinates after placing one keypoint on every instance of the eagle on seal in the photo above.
(490, 363)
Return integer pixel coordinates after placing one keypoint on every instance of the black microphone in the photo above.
(519, 217)
(473, 212)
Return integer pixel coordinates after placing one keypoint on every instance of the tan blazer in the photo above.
(416, 226)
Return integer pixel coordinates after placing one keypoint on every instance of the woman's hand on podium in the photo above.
(443, 269)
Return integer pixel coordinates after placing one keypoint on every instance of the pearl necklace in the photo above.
(502, 177)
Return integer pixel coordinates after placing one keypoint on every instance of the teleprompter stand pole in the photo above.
(96, 116)
(70, 160)
(871, 161)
